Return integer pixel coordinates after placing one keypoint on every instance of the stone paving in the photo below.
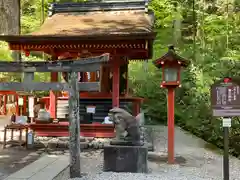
(46, 167)
(15, 158)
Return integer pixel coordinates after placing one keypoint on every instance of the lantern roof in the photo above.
(171, 57)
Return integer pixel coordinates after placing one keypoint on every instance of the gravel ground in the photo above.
(132, 176)
(200, 163)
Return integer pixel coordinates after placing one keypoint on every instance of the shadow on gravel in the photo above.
(164, 159)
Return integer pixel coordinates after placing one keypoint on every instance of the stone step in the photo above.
(45, 168)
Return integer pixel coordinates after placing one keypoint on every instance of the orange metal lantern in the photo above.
(171, 65)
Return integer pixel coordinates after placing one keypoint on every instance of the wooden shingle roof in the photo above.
(123, 27)
(97, 23)
(105, 20)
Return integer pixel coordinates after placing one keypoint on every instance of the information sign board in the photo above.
(225, 98)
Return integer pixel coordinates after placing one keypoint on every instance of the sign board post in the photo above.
(225, 102)
(226, 125)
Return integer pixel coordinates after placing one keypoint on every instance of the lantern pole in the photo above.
(171, 64)
(171, 94)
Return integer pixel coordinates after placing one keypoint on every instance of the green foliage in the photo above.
(215, 55)
(5, 53)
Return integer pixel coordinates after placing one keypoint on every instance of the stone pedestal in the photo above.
(126, 158)
(126, 143)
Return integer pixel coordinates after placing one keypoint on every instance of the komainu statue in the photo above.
(127, 127)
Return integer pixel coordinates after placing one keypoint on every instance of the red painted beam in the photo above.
(18, 111)
(53, 97)
(24, 105)
(84, 134)
(61, 129)
(5, 105)
(8, 92)
(116, 82)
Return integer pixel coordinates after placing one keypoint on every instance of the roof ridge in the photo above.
(93, 6)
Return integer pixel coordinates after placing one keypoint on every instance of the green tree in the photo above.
(213, 49)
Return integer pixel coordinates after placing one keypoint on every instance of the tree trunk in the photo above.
(10, 17)
(10, 21)
(177, 26)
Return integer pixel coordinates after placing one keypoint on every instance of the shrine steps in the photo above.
(102, 107)
(90, 123)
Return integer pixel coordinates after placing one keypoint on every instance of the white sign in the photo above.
(91, 109)
(21, 119)
(227, 122)
(30, 138)
(31, 106)
(107, 120)
(20, 101)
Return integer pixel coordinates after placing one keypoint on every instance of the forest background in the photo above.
(207, 32)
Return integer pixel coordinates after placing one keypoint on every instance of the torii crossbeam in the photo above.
(73, 87)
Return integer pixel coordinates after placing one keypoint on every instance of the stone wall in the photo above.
(88, 142)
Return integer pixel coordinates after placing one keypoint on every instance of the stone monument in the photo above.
(127, 152)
